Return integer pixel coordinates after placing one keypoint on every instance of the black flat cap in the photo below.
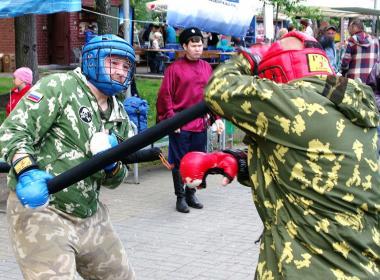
(187, 33)
(331, 27)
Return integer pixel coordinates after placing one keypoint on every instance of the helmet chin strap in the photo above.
(100, 97)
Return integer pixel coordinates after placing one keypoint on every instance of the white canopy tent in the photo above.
(345, 9)
(368, 4)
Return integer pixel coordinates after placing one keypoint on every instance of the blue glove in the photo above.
(113, 142)
(32, 190)
(101, 142)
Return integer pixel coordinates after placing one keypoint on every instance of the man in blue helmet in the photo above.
(61, 122)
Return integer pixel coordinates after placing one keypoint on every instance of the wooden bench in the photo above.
(211, 56)
(140, 53)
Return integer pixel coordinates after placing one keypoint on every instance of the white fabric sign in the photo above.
(228, 17)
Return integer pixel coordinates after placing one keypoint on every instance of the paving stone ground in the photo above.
(217, 242)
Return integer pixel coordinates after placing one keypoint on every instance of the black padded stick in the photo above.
(143, 155)
(131, 145)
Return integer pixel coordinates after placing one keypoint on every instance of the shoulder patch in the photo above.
(85, 114)
(34, 96)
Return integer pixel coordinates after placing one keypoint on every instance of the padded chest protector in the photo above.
(284, 65)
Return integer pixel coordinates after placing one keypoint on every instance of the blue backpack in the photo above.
(137, 110)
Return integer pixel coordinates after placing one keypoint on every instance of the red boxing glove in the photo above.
(254, 54)
(195, 166)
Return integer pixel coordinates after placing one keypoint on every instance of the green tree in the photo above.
(294, 8)
(140, 10)
(307, 12)
(285, 6)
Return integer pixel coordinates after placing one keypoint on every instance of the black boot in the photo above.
(181, 204)
(192, 200)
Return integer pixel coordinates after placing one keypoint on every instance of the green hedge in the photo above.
(147, 88)
(5, 85)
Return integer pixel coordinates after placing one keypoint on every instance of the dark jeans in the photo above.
(184, 142)
(157, 62)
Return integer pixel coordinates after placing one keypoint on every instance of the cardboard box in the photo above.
(1, 62)
(9, 63)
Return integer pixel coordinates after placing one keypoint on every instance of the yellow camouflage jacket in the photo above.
(312, 160)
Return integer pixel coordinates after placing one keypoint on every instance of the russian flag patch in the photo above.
(34, 96)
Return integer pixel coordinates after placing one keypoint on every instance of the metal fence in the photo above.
(4, 191)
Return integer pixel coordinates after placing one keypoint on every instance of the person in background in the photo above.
(327, 41)
(322, 28)
(155, 43)
(281, 33)
(146, 33)
(205, 39)
(223, 45)
(90, 32)
(212, 40)
(181, 88)
(374, 82)
(238, 41)
(157, 58)
(22, 79)
(157, 36)
(63, 121)
(306, 27)
(170, 35)
(311, 161)
(156, 28)
(291, 27)
(362, 51)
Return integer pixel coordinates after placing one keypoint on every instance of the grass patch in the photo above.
(148, 89)
(5, 85)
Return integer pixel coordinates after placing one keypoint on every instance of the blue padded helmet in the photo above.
(93, 56)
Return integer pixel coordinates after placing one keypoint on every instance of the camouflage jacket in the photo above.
(312, 160)
(54, 123)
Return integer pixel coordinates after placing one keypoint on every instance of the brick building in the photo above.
(59, 35)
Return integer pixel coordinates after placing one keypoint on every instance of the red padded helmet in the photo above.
(287, 59)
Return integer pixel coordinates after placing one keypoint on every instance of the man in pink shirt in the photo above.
(182, 87)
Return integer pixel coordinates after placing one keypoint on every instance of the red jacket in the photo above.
(15, 97)
(182, 87)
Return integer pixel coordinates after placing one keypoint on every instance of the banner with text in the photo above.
(14, 8)
(228, 17)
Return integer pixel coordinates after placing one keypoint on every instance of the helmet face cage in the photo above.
(107, 79)
(116, 63)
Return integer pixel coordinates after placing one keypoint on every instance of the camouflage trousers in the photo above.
(50, 244)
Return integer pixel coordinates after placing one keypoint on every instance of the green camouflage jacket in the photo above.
(312, 160)
(54, 123)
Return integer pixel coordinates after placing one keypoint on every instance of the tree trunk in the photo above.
(26, 43)
(276, 21)
(104, 23)
(277, 11)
